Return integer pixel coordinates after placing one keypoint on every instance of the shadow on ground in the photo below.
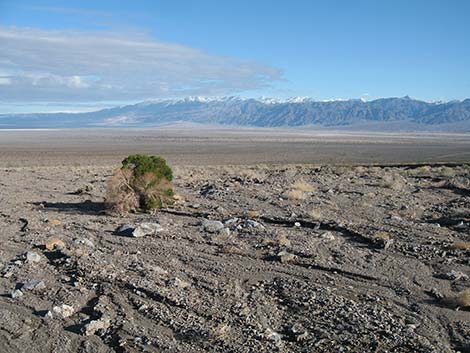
(86, 207)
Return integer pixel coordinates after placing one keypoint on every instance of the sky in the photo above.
(85, 55)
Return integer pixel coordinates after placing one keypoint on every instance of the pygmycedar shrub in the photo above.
(142, 183)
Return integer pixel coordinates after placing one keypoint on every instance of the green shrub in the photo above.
(143, 182)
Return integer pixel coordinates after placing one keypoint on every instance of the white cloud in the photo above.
(73, 66)
(5, 81)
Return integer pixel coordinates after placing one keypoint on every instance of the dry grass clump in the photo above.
(394, 182)
(298, 190)
(303, 186)
(461, 245)
(447, 172)
(280, 241)
(231, 249)
(463, 298)
(252, 214)
(143, 182)
(258, 174)
(424, 169)
(120, 197)
(295, 195)
(381, 235)
(315, 213)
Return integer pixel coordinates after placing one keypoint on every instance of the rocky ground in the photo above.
(288, 258)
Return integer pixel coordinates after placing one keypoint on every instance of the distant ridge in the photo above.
(387, 113)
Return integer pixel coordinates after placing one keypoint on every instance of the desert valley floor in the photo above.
(278, 241)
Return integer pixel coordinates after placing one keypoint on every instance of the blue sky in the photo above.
(81, 55)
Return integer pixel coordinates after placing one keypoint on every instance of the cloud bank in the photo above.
(71, 66)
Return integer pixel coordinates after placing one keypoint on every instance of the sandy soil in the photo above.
(306, 258)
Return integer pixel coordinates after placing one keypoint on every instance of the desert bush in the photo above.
(295, 194)
(143, 182)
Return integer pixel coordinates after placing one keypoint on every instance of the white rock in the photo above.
(34, 285)
(95, 325)
(327, 236)
(16, 294)
(273, 336)
(63, 310)
(146, 229)
(176, 282)
(33, 257)
(212, 226)
(285, 256)
(86, 242)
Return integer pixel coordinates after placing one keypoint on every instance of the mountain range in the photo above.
(381, 114)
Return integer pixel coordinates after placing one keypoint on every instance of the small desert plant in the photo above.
(461, 245)
(84, 189)
(463, 298)
(295, 194)
(143, 182)
(298, 190)
(303, 186)
(447, 172)
(394, 182)
(315, 213)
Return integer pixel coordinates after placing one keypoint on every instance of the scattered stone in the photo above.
(250, 223)
(34, 285)
(145, 229)
(63, 310)
(96, 325)
(299, 333)
(212, 226)
(85, 241)
(15, 294)
(124, 230)
(54, 243)
(33, 257)
(327, 236)
(455, 275)
(84, 189)
(179, 283)
(297, 224)
(55, 222)
(141, 230)
(8, 270)
(231, 221)
(25, 222)
(285, 257)
(224, 232)
(48, 315)
(302, 337)
(208, 190)
(388, 244)
(273, 336)
(435, 293)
